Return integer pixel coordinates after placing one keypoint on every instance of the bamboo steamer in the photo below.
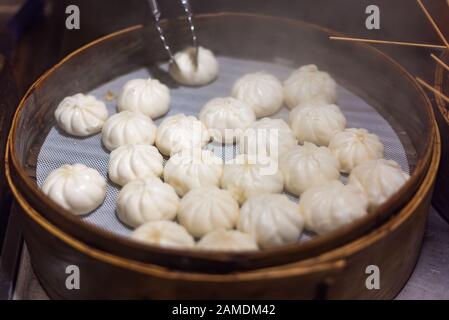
(338, 274)
(441, 197)
(388, 87)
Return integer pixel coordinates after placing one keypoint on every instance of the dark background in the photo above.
(47, 40)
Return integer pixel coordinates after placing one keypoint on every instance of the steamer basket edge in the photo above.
(227, 262)
(394, 247)
(441, 196)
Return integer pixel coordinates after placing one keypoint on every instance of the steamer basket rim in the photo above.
(317, 242)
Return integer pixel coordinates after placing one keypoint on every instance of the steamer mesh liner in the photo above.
(59, 148)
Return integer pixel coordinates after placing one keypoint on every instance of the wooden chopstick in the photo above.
(429, 87)
(432, 21)
(443, 64)
(399, 43)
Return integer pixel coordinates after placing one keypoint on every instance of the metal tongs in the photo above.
(157, 18)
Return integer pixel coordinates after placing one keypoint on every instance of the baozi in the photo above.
(180, 132)
(378, 179)
(261, 91)
(309, 85)
(207, 209)
(226, 118)
(307, 166)
(81, 115)
(148, 96)
(267, 137)
(186, 72)
(134, 161)
(167, 234)
(330, 206)
(128, 127)
(272, 219)
(227, 240)
(145, 200)
(317, 123)
(193, 168)
(249, 175)
(76, 188)
(353, 147)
